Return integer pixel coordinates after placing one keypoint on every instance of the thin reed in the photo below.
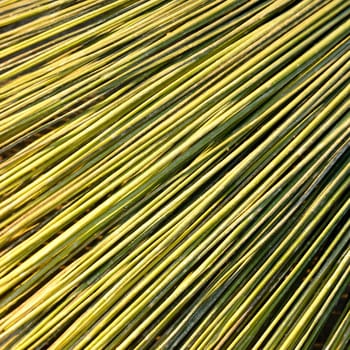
(174, 174)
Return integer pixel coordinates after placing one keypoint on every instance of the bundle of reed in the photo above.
(174, 174)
